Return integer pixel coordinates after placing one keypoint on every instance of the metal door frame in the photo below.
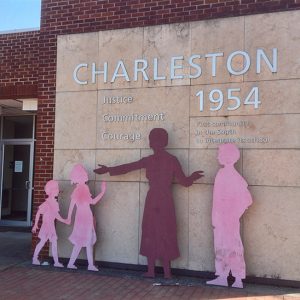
(29, 142)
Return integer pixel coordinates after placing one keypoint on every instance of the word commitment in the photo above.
(134, 117)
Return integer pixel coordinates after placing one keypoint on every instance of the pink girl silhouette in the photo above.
(83, 234)
(231, 198)
(49, 209)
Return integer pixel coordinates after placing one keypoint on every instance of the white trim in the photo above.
(20, 30)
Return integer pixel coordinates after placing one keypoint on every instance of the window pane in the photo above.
(20, 127)
(15, 183)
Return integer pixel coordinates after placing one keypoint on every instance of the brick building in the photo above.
(44, 143)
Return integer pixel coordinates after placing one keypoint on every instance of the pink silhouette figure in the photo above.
(83, 234)
(231, 198)
(49, 209)
(159, 234)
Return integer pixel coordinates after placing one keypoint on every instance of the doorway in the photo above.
(16, 156)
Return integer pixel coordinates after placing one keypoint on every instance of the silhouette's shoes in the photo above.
(238, 284)
(35, 261)
(222, 281)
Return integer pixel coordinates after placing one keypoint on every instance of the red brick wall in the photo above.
(78, 16)
(91, 15)
(19, 64)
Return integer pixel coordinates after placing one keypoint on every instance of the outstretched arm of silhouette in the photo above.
(71, 207)
(37, 217)
(98, 197)
(61, 219)
(186, 180)
(102, 170)
(121, 169)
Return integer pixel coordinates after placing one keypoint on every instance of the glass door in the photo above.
(16, 183)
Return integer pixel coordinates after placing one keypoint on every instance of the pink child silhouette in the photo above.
(231, 198)
(83, 234)
(49, 209)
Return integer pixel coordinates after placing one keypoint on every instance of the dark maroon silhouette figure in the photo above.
(159, 234)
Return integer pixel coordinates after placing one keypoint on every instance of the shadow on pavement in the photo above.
(15, 262)
(15, 248)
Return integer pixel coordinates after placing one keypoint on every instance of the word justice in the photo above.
(85, 73)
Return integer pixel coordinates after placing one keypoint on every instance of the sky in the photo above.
(19, 14)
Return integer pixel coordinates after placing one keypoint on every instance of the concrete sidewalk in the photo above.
(19, 280)
(14, 248)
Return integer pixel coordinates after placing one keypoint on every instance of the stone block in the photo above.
(270, 228)
(201, 244)
(116, 45)
(65, 160)
(117, 223)
(72, 50)
(217, 36)
(75, 120)
(163, 42)
(272, 167)
(276, 30)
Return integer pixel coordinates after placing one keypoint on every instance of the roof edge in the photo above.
(19, 30)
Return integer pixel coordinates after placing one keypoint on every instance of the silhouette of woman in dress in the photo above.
(159, 235)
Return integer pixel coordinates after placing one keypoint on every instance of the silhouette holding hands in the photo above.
(231, 198)
(50, 212)
(83, 234)
(159, 234)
